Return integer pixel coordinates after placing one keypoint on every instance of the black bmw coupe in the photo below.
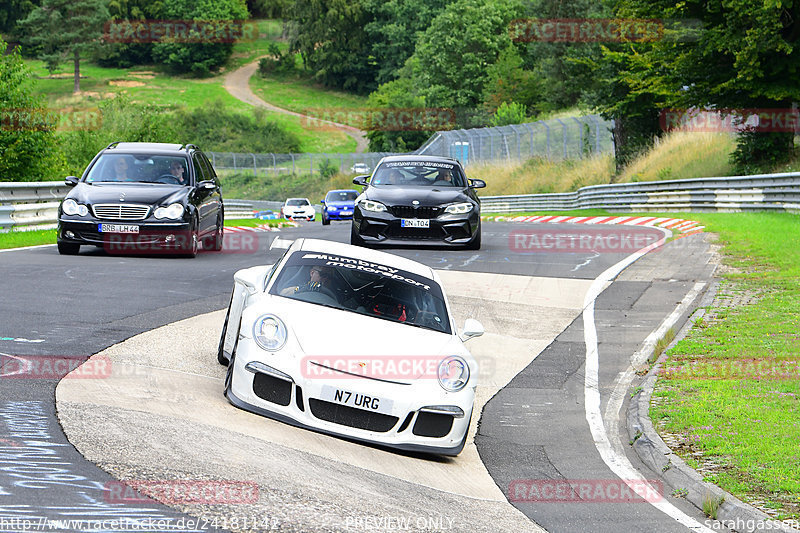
(420, 200)
(147, 198)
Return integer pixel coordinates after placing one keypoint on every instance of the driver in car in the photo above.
(177, 170)
(319, 277)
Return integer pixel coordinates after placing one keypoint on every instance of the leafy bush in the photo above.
(199, 58)
(27, 143)
(513, 113)
(213, 128)
(276, 62)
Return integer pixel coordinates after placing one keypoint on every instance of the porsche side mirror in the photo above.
(472, 328)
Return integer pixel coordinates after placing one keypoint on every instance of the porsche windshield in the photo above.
(141, 168)
(363, 287)
(418, 174)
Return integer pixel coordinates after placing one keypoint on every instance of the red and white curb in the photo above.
(685, 227)
(259, 229)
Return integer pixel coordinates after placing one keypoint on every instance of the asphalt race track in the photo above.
(160, 415)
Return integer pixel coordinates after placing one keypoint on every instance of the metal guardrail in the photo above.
(741, 193)
(35, 205)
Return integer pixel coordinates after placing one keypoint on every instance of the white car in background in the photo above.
(351, 342)
(298, 209)
(360, 168)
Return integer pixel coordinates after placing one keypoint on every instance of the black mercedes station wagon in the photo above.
(420, 200)
(145, 198)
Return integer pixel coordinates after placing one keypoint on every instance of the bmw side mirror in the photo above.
(208, 185)
(477, 184)
(472, 328)
(71, 181)
(360, 180)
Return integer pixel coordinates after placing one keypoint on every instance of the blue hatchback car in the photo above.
(338, 205)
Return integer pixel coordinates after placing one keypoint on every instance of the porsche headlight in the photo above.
(369, 205)
(458, 209)
(269, 333)
(71, 207)
(453, 373)
(172, 211)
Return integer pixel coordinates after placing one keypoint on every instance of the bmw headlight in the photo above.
(71, 207)
(369, 205)
(453, 373)
(269, 333)
(458, 209)
(172, 211)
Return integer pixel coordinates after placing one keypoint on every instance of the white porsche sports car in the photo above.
(350, 342)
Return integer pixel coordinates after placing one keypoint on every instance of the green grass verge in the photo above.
(18, 239)
(731, 388)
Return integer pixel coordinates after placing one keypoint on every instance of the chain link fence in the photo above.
(558, 138)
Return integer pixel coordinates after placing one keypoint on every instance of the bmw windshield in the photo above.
(363, 287)
(418, 174)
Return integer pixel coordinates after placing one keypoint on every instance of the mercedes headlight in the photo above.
(458, 209)
(269, 333)
(71, 207)
(172, 211)
(453, 373)
(369, 205)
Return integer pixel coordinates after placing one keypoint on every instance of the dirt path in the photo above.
(238, 84)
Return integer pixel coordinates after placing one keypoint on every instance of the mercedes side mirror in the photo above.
(71, 181)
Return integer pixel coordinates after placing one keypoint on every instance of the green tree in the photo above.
(508, 82)
(27, 143)
(745, 56)
(394, 29)
(65, 28)
(451, 60)
(330, 36)
(399, 94)
(200, 57)
(13, 10)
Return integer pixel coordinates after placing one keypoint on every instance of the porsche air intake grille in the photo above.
(351, 417)
(121, 211)
(407, 211)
